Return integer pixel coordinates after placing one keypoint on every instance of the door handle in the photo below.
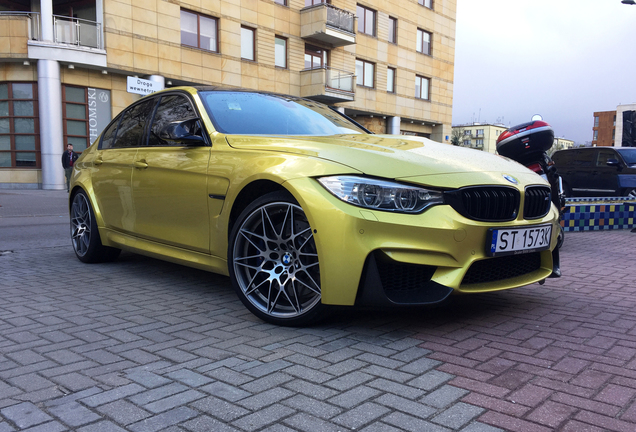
(98, 161)
(141, 164)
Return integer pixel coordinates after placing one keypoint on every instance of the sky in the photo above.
(562, 59)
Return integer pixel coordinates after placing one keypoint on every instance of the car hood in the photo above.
(413, 159)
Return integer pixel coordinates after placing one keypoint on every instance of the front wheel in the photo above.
(561, 237)
(273, 262)
(84, 234)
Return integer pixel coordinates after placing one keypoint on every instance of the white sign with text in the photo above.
(142, 86)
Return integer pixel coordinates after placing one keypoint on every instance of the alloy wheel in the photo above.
(275, 261)
(80, 224)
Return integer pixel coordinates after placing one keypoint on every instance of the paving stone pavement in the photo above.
(141, 345)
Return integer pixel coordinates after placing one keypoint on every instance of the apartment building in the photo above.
(481, 136)
(68, 66)
(604, 129)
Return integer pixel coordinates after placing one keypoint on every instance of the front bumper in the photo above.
(423, 258)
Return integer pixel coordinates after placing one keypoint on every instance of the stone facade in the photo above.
(143, 38)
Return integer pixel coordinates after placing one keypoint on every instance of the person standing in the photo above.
(68, 160)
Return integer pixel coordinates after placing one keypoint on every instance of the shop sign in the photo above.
(99, 113)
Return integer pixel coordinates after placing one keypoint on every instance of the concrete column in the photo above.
(99, 17)
(393, 125)
(159, 80)
(46, 19)
(51, 131)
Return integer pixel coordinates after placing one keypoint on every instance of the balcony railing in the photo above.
(339, 80)
(340, 19)
(76, 31)
(328, 85)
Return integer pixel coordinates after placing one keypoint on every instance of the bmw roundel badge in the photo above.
(511, 179)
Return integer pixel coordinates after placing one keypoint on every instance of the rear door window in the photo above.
(585, 159)
(131, 128)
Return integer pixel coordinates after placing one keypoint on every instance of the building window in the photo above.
(365, 73)
(422, 87)
(315, 57)
(595, 136)
(423, 42)
(248, 38)
(392, 30)
(466, 143)
(199, 31)
(479, 143)
(281, 2)
(390, 80)
(75, 117)
(366, 20)
(614, 120)
(280, 54)
(314, 2)
(595, 121)
(480, 132)
(19, 126)
(426, 3)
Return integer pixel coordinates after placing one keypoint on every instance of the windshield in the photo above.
(264, 114)
(629, 155)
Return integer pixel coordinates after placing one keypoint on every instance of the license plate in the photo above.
(510, 241)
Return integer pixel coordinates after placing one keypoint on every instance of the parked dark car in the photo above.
(597, 171)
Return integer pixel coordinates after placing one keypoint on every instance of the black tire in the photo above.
(629, 192)
(84, 233)
(273, 262)
(561, 237)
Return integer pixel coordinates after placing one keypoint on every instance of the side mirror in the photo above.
(613, 162)
(182, 131)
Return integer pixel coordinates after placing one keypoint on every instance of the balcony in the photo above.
(328, 24)
(16, 28)
(327, 85)
(70, 40)
(66, 31)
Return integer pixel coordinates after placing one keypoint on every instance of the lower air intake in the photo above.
(501, 268)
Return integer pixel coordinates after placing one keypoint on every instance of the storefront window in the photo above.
(19, 127)
(86, 112)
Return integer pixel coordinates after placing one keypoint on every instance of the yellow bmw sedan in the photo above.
(303, 208)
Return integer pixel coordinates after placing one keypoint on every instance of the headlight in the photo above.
(380, 194)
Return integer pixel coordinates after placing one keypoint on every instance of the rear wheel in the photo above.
(273, 262)
(629, 192)
(84, 234)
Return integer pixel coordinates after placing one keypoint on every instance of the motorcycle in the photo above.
(528, 144)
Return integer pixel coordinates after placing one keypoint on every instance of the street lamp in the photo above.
(629, 2)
